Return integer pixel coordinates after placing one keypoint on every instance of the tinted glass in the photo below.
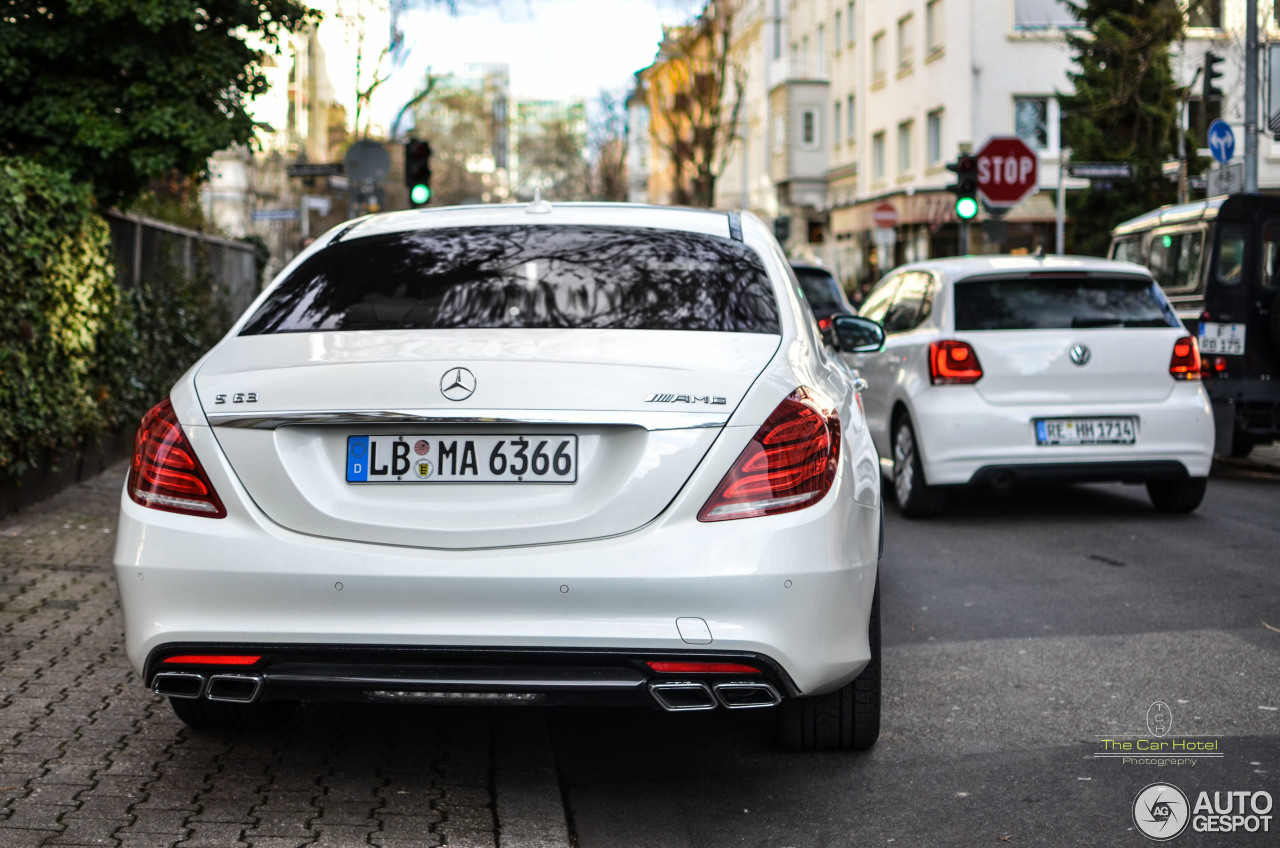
(1271, 255)
(525, 277)
(1232, 241)
(911, 304)
(1175, 260)
(819, 289)
(877, 303)
(1054, 303)
(1128, 249)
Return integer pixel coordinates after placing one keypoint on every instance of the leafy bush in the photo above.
(79, 357)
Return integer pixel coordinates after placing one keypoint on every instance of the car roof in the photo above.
(541, 213)
(962, 267)
(809, 266)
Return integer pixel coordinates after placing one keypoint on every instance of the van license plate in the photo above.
(507, 458)
(1085, 431)
(1222, 338)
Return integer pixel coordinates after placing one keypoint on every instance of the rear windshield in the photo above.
(819, 290)
(1056, 303)
(525, 277)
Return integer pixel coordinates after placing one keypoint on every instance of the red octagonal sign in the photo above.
(1008, 171)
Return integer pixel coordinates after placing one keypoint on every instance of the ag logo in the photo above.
(1160, 811)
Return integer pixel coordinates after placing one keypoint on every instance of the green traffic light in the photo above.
(966, 208)
(420, 193)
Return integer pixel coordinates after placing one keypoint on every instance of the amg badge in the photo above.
(708, 399)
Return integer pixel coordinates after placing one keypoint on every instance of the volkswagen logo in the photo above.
(1080, 355)
(458, 384)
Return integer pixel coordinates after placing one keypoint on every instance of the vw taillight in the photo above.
(952, 362)
(165, 473)
(789, 464)
(1185, 362)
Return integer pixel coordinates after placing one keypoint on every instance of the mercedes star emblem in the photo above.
(458, 384)
(1080, 355)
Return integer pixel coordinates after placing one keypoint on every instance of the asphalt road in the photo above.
(1019, 632)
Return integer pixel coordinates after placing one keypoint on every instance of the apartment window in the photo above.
(904, 147)
(804, 56)
(835, 123)
(1033, 123)
(794, 64)
(877, 58)
(822, 50)
(849, 124)
(779, 134)
(1043, 14)
(933, 31)
(836, 32)
(877, 156)
(933, 130)
(906, 50)
(809, 128)
(1205, 13)
(849, 24)
(777, 29)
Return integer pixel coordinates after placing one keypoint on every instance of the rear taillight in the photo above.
(165, 473)
(1185, 362)
(789, 463)
(701, 668)
(212, 659)
(952, 362)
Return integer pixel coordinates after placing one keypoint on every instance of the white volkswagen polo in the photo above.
(1007, 369)
(515, 454)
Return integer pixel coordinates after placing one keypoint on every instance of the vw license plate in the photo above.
(1085, 431)
(509, 458)
(1222, 338)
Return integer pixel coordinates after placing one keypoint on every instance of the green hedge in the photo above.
(79, 357)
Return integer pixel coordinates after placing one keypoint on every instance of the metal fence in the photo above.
(151, 253)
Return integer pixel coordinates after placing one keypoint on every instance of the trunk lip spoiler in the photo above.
(648, 420)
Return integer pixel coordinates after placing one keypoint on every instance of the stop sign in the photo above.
(1008, 171)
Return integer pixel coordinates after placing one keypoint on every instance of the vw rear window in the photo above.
(1060, 302)
(525, 277)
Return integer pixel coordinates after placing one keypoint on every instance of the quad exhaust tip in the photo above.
(687, 696)
(683, 697)
(236, 688)
(178, 684)
(745, 696)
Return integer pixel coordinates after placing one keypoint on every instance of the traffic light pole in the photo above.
(1251, 97)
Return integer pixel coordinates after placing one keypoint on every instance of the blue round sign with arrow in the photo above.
(1222, 141)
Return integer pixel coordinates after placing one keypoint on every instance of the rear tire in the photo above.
(846, 719)
(916, 498)
(1180, 496)
(221, 716)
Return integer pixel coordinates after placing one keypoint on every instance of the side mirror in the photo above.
(855, 334)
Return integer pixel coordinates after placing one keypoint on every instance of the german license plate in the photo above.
(1222, 338)
(509, 458)
(1085, 431)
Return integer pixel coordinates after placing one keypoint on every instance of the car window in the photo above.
(1232, 240)
(1128, 249)
(819, 289)
(1175, 260)
(911, 303)
(877, 303)
(525, 277)
(1271, 255)
(1053, 302)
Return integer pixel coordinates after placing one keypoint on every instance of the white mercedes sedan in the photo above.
(1004, 369)
(515, 455)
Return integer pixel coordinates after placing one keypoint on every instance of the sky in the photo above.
(557, 49)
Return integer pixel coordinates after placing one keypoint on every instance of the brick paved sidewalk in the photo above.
(89, 757)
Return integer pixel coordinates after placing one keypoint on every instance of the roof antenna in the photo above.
(538, 206)
(1040, 251)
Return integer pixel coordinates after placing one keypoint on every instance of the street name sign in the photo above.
(275, 214)
(1008, 171)
(1104, 170)
(314, 169)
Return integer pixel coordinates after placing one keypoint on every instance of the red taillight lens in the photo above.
(1185, 362)
(824, 323)
(211, 659)
(701, 668)
(952, 362)
(789, 464)
(165, 473)
(1219, 363)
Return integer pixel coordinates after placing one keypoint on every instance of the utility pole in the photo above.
(1251, 97)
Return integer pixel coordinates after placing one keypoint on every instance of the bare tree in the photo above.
(695, 94)
(607, 146)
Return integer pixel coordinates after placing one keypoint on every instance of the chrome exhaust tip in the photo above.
(746, 696)
(682, 697)
(237, 688)
(178, 684)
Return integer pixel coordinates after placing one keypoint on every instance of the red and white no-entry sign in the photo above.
(1008, 171)
(885, 216)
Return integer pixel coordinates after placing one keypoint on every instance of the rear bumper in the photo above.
(963, 439)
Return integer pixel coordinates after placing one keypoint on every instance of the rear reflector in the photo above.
(953, 363)
(789, 464)
(211, 659)
(165, 473)
(1185, 362)
(701, 668)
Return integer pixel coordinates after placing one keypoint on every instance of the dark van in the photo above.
(1218, 260)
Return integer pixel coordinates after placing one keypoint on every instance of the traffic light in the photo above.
(1211, 75)
(782, 228)
(417, 171)
(965, 188)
